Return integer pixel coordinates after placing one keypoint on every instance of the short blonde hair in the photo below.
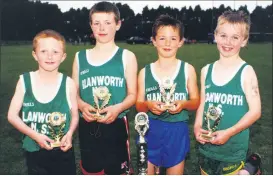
(47, 34)
(236, 18)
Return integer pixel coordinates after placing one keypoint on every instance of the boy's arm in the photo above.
(252, 94)
(131, 83)
(16, 121)
(194, 100)
(74, 107)
(200, 111)
(84, 107)
(67, 138)
(141, 104)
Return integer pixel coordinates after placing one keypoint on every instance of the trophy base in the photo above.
(207, 137)
(167, 106)
(55, 144)
(98, 116)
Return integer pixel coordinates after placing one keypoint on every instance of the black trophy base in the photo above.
(142, 158)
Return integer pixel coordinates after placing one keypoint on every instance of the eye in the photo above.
(43, 51)
(174, 38)
(235, 38)
(161, 38)
(222, 36)
(108, 23)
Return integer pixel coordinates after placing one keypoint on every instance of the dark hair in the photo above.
(166, 20)
(105, 7)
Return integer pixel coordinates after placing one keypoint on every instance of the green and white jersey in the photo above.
(230, 103)
(152, 91)
(110, 74)
(36, 114)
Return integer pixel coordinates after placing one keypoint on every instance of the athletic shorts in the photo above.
(51, 162)
(210, 166)
(104, 147)
(168, 142)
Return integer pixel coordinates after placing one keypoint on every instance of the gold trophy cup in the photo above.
(56, 126)
(101, 98)
(213, 114)
(167, 88)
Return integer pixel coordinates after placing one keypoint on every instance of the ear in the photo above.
(244, 43)
(181, 42)
(34, 55)
(118, 25)
(64, 56)
(154, 42)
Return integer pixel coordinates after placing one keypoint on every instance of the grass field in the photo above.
(17, 59)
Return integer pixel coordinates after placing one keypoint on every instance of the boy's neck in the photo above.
(230, 61)
(47, 77)
(105, 46)
(166, 63)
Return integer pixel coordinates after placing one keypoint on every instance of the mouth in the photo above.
(50, 63)
(227, 49)
(102, 35)
(167, 49)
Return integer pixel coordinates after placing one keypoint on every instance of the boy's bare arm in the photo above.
(84, 107)
(194, 100)
(200, 111)
(17, 122)
(251, 90)
(67, 138)
(74, 107)
(131, 81)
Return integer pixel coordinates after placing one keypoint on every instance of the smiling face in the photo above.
(49, 53)
(104, 26)
(167, 41)
(230, 38)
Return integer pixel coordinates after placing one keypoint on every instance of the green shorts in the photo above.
(210, 166)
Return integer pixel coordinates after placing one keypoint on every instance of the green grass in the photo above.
(18, 59)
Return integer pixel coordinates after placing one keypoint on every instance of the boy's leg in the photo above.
(176, 147)
(177, 169)
(252, 166)
(37, 163)
(116, 147)
(62, 163)
(90, 136)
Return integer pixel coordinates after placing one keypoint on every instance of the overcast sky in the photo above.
(137, 6)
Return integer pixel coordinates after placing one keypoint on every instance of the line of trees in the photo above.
(22, 19)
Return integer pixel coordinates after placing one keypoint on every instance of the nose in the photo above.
(101, 27)
(167, 42)
(50, 55)
(228, 41)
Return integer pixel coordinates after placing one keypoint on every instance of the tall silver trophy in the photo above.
(141, 126)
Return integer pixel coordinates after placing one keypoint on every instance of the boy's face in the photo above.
(104, 26)
(167, 41)
(49, 53)
(230, 38)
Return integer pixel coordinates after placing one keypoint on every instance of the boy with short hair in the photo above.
(230, 101)
(103, 132)
(168, 139)
(46, 96)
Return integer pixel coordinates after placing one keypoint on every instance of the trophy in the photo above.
(101, 96)
(167, 88)
(141, 126)
(213, 114)
(56, 126)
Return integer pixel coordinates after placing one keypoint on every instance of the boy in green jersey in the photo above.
(103, 130)
(230, 100)
(168, 135)
(49, 109)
